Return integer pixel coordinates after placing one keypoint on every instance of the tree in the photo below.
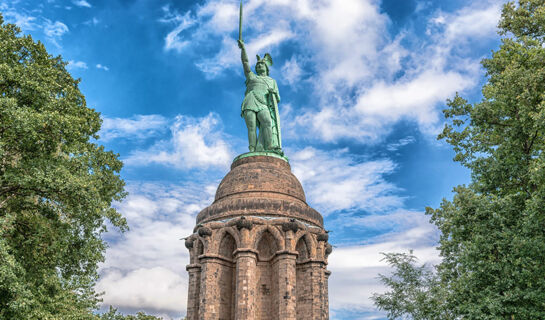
(415, 290)
(492, 240)
(56, 186)
(113, 315)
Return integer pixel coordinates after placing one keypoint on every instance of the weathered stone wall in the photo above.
(266, 271)
(259, 252)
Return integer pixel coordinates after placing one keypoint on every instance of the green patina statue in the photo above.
(260, 105)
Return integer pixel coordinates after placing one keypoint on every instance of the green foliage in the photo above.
(113, 315)
(415, 290)
(493, 231)
(56, 186)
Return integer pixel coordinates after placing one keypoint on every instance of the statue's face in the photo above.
(261, 69)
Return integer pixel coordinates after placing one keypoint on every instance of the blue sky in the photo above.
(363, 83)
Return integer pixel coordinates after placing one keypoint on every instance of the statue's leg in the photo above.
(250, 118)
(265, 128)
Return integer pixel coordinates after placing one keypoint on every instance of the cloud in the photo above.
(229, 55)
(19, 17)
(93, 22)
(105, 68)
(194, 143)
(136, 127)
(82, 3)
(144, 267)
(401, 143)
(156, 288)
(355, 268)
(55, 29)
(472, 21)
(335, 180)
(364, 80)
(291, 72)
(173, 40)
(76, 65)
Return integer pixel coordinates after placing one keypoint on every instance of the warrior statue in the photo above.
(260, 104)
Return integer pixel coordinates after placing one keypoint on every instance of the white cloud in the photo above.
(76, 65)
(401, 143)
(23, 20)
(105, 68)
(229, 55)
(93, 22)
(173, 40)
(291, 72)
(55, 29)
(334, 181)
(364, 80)
(355, 269)
(156, 288)
(473, 22)
(144, 267)
(82, 3)
(195, 143)
(136, 127)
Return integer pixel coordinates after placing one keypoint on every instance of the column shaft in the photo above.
(246, 260)
(209, 298)
(285, 270)
(194, 284)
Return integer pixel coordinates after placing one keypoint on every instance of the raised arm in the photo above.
(244, 58)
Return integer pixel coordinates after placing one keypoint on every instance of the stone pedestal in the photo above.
(259, 252)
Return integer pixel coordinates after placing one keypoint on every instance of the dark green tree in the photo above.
(56, 186)
(112, 314)
(492, 240)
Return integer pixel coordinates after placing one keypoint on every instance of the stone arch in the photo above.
(258, 233)
(201, 247)
(227, 246)
(266, 247)
(309, 241)
(220, 235)
(303, 252)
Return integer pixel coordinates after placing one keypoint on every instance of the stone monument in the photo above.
(259, 251)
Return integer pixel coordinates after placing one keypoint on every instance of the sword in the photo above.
(240, 22)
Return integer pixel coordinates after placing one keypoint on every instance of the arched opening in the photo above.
(302, 250)
(266, 287)
(200, 248)
(303, 280)
(226, 278)
(266, 246)
(227, 246)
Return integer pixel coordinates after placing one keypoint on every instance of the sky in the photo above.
(363, 85)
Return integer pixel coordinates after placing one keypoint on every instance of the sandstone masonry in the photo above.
(259, 252)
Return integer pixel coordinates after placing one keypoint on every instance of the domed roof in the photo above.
(260, 186)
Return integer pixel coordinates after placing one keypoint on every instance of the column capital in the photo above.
(248, 252)
(215, 258)
(193, 266)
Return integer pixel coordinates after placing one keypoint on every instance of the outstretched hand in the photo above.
(240, 44)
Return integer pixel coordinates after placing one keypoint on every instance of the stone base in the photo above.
(261, 153)
(259, 252)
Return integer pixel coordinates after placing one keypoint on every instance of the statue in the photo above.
(260, 105)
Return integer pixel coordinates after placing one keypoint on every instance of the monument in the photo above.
(259, 251)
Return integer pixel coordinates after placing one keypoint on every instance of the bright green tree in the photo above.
(492, 240)
(56, 186)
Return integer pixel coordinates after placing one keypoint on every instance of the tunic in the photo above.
(257, 91)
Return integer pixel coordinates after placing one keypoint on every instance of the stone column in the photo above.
(194, 271)
(246, 261)
(327, 273)
(285, 269)
(209, 298)
(319, 290)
